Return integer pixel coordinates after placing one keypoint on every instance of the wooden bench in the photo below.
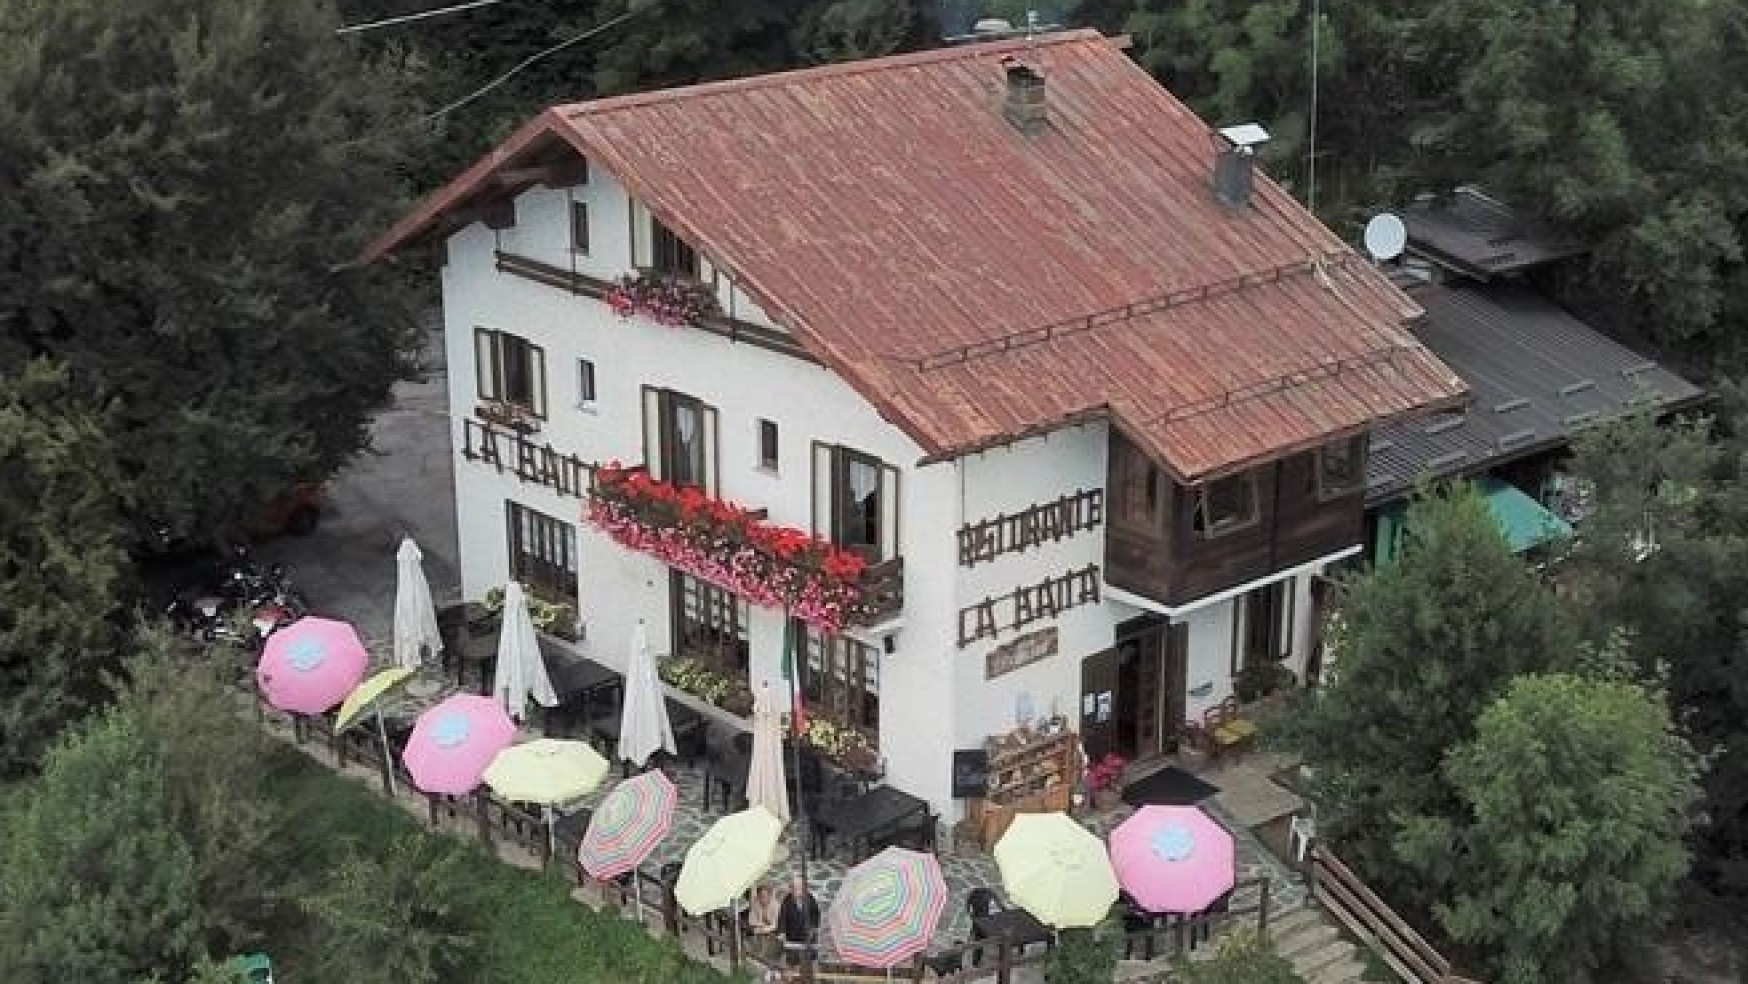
(1228, 730)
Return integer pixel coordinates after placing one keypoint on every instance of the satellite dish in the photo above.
(1386, 237)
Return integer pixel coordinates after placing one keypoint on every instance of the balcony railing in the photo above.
(735, 548)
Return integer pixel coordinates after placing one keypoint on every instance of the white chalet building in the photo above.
(983, 321)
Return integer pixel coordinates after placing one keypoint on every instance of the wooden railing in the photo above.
(1343, 895)
(882, 590)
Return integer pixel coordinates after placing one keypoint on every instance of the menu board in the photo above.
(970, 773)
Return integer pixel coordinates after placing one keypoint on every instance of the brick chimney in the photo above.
(1025, 106)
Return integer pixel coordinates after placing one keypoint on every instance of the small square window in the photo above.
(585, 384)
(768, 445)
(580, 226)
(1341, 468)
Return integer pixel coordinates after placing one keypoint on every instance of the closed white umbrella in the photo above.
(643, 722)
(521, 671)
(765, 783)
(415, 617)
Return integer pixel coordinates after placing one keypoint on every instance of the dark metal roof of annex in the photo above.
(977, 284)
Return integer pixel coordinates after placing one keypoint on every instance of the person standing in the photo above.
(798, 919)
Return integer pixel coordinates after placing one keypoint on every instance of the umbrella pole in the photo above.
(551, 834)
(388, 765)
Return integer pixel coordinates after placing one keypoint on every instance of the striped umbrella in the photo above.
(887, 908)
(628, 825)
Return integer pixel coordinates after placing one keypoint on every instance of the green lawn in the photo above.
(525, 927)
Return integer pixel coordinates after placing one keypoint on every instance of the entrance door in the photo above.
(1098, 685)
(1262, 613)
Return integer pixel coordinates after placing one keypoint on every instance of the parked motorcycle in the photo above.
(245, 606)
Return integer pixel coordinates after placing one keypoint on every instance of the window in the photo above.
(855, 501)
(508, 368)
(1138, 487)
(679, 438)
(1341, 468)
(670, 254)
(710, 624)
(840, 681)
(585, 384)
(1259, 627)
(580, 226)
(543, 554)
(1225, 505)
(768, 445)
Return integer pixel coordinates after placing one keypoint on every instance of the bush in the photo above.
(1082, 956)
(1245, 957)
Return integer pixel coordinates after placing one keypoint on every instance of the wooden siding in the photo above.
(1174, 566)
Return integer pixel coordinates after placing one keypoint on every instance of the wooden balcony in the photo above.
(882, 591)
(792, 569)
(1160, 554)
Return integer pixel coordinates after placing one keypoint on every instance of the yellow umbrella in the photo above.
(733, 854)
(359, 700)
(1057, 870)
(548, 771)
(363, 697)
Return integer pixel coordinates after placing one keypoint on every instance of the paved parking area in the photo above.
(404, 484)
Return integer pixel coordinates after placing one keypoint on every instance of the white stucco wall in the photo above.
(1006, 481)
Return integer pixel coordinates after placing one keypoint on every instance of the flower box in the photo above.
(666, 301)
(733, 548)
(505, 414)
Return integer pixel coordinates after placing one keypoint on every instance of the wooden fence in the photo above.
(1343, 895)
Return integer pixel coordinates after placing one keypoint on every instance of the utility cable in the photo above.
(416, 16)
(537, 56)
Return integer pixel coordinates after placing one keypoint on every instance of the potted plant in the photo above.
(1104, 780)
(507, 414)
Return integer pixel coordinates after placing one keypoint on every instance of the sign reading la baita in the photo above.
(1025, 605)
(537, 464)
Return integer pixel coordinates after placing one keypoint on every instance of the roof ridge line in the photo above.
(1337, 257)
(860, 66)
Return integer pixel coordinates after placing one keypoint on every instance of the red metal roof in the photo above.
(978, 284)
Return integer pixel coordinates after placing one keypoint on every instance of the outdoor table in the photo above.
(1017, 926)
(876, 810)
(580, 680)
(687, 724)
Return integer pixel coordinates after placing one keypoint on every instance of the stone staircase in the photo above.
(1314, 946)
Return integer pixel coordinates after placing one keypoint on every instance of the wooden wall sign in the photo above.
(1035, 603)
(1033, 526)
(537, 464)
(1027, 649)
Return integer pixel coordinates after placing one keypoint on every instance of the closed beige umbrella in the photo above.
(766, 785)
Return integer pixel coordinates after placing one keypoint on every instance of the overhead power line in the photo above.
(417, 16)
(537, 56)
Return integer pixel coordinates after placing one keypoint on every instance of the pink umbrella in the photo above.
(452, 743)
(1173, 859)
(311, 665)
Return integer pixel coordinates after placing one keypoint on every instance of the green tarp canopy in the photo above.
(1525, 522)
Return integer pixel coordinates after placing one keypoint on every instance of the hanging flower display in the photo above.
(674, 303)
(769, 565)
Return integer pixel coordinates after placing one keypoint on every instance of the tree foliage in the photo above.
(389, 916)
(180, 184)
(96, 882)
(1425, 644)
(1682, 606)
(1575, 795)
(60, 559)
(1616, 121)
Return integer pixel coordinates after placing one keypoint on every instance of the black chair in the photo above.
(1136, 920)
(981, 903)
